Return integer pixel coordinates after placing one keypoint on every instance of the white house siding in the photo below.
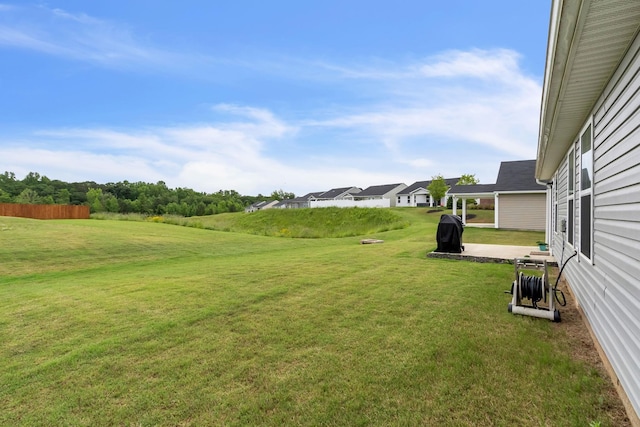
(404, 200)
(417, 198)
(522, 211)
(421, 197)
(562, 198)
(608, 287)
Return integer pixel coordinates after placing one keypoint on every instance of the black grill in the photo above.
(449, 235)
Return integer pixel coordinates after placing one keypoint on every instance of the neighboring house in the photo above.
(258, 206)
(337, 193)
(254, 206)
(301, 201)
(380, 192)
(417, 194)
(589, 152)
(519, 201)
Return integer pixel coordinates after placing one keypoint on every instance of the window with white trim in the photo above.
(571, 179)
(586, 191)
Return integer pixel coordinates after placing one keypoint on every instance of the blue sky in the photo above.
(257, 96)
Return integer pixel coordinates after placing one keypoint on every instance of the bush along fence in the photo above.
(44, 211)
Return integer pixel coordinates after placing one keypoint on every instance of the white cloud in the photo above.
(500, 64)
(78, 165)
(229, 155)
(477, 97)
(459, 112)
(262, 122)
(81, 37)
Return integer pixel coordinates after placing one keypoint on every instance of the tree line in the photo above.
(125, 197)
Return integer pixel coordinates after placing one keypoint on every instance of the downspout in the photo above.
(496, 210)
(548, 214)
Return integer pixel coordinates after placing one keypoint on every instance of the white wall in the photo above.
(403, 200)
(607, 287)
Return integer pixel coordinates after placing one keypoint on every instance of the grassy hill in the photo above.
(307, 223)
(144, 323)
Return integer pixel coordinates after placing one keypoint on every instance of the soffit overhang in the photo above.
(587, 41)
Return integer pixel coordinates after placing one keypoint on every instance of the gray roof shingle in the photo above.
(472, 189)
(333, 193)
(377, 190)
(306, 197)
(424, 184)
(513, 176)
(518, 176)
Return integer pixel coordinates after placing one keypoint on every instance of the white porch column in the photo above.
(464, 211)
(455, 204)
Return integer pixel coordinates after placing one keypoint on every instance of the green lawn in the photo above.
(144, 323)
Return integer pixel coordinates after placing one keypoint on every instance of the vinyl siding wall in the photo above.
(607, 287)
(562, 197)
(522, 211)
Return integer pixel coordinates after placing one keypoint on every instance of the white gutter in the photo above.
(563, 26)
(548, 233)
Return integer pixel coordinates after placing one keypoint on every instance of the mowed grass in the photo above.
(143, 323)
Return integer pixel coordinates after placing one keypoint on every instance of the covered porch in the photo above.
(477, 191)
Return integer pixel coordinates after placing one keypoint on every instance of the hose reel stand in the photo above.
(535, 288)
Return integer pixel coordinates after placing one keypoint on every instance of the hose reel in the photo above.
(535, 288)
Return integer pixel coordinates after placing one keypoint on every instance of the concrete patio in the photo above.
(496, 253)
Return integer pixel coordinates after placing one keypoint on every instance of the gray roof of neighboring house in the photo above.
(282, 203)
(306, 197)
(416, 185)
(473, 189)
(518, 176)
(334, 192)
(378, 190)
(257, 204)
(513, 176)
(424, 184)
(261, 204)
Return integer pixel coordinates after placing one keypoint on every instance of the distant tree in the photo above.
(468, 179)
(438, 188)
(200, 209)
(10, 184)
(4, 196)
(32, 178)
(47, 200)
(94, 198)
(110, 203)
(28, 196)
(123, 197)
(282, 195)
(63, 197)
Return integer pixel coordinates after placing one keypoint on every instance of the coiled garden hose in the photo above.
(532, 288)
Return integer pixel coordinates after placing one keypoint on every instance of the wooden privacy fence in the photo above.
(44, 211)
